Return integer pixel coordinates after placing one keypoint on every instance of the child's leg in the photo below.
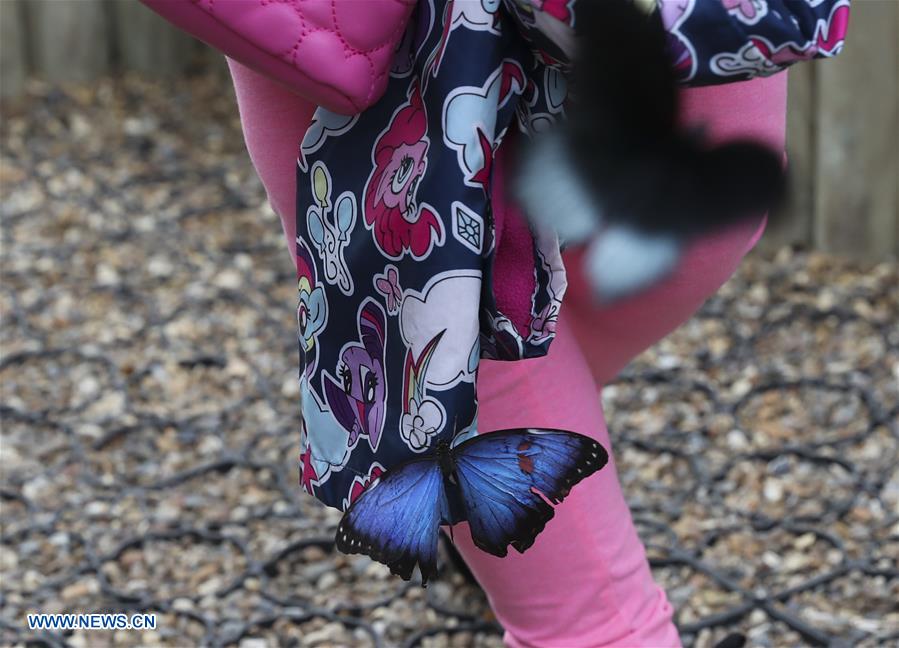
(274, 121)
(586, 581)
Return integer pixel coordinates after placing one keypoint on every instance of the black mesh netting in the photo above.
(149, 405)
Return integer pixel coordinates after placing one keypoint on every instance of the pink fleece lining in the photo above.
(513, 277)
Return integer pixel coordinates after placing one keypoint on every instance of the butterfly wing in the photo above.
(623, 82)
(498, 473)
(646, 170)
(396, 520)
(622, 173)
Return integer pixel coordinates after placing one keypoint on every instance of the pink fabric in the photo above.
(335, 53)
(513, 277)
(274, 121)
(585, 582)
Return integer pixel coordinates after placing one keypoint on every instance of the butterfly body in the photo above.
(445, 461)
(500, 482)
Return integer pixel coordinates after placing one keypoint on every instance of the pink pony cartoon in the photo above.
(398, 222)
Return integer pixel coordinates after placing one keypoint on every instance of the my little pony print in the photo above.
(324, 447)
(329, 227)
(423, 417)
(358, 398)
(396, 231)
(763, 56)
(469, 120)
(392, 212)
(312, 309)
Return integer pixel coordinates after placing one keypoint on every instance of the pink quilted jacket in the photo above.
(336, 53)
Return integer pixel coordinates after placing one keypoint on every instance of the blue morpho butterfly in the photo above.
(497, 481)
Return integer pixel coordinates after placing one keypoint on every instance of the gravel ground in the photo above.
(150, 435)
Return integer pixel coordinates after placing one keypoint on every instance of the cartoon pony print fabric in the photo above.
(358, 399)
(753, 38)
(395, 233)
(396, 242)
(711, 41)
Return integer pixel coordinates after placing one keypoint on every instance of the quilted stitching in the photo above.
(345, 44)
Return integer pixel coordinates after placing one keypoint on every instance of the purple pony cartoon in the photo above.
(357, 400)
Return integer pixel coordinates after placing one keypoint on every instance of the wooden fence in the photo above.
(843, 133)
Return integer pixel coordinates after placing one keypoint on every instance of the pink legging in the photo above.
(586, 581)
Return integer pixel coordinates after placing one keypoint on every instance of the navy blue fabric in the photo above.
(712, 41)
(395, 246)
